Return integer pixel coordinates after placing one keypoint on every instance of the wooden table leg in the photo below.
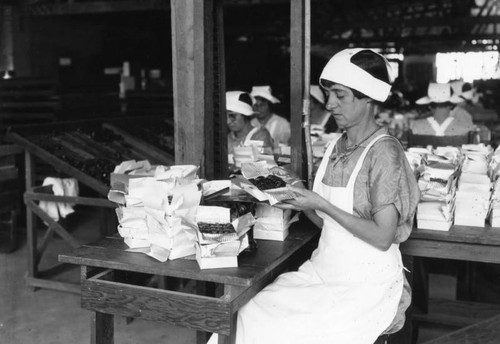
(31, 233)
(102, 328)
(231, 339)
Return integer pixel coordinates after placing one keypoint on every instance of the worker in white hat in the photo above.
(239, 115)
(278, 127)
(322, 121)
(352, 289)
(471, 104)
(445, 119)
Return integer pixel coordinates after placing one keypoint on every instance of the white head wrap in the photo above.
(341, 70)
(264, 92)
(233, 103)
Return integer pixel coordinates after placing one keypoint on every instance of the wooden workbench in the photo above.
(106, 295)
(462, 243)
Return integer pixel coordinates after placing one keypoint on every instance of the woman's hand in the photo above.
(303, 200)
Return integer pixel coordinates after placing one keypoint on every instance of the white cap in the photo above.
(235, 102)
(341, 70)
(317, 93)
(439, 93)
(264, 92)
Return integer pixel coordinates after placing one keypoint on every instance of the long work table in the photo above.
(475, 244)
(106, 294)
(462, 243)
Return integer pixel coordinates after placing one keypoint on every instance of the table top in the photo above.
(461, 234)
(110, 253)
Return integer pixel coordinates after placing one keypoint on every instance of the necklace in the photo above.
(342, 152)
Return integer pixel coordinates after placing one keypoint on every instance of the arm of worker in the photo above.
(378, 232)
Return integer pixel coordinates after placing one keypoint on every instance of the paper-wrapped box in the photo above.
(267, 183)
(271, 223)
(220, 246)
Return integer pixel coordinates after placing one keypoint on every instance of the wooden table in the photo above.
(464, 243)
(106, 295)
(475, 244)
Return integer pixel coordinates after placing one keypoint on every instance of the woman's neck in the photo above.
(440, 115)
(244, 131)
(360, 132)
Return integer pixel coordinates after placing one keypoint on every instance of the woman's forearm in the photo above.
(314, 218)
(379, 232)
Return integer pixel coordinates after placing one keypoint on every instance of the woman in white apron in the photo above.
(241, 132)
(446, 119)
(352, 289)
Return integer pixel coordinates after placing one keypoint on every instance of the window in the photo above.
(467, 66)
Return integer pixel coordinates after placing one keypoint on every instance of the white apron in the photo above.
(347, 293)
(439, 129)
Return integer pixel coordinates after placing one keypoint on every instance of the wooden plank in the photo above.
(10, 149)
(484, 332)
(60, 230)
(102, 328)
(467, 234)
(53, 285)
(89, 201)
(457, 313)
(151, 152)
(297, 69)
(107, 253)
(31, 235)
(188, 81)
(450, 250)
(26, 115)
(60, 164)
(29, 104)
(179, 309)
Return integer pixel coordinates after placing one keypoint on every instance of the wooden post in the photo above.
(198, 84)
(297, 70)
(6, 39)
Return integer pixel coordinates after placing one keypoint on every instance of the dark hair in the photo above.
(327, 84)
(245, 98)
(372, 63)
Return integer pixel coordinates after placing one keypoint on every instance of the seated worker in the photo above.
(239, 115)
(364, 197)
(472, 103)
(322, 121)
(278, 127)
(445, 119)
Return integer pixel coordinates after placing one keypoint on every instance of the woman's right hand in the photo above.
(303, 200)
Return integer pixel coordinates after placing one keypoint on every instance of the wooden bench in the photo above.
(483, 332)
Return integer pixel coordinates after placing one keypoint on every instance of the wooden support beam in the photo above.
(90, 7)
(297, 70)
(198, 85)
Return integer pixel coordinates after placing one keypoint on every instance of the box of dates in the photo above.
(267, 183)
(220, 240)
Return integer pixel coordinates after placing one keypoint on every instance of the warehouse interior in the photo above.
(83, 65)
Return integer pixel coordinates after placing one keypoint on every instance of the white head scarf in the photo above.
(341, 70)
(235, 104)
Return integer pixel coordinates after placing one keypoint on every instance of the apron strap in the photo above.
(357, 168)
(322, 166)
(249, 135)
(439, 129)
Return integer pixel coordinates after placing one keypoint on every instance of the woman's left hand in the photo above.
(304, 199)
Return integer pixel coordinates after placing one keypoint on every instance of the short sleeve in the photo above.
(392, 181)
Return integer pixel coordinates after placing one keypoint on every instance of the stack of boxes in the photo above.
(437, 183)
(156, 208)
(474, 187)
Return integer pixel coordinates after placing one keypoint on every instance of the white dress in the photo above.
(347, 292)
